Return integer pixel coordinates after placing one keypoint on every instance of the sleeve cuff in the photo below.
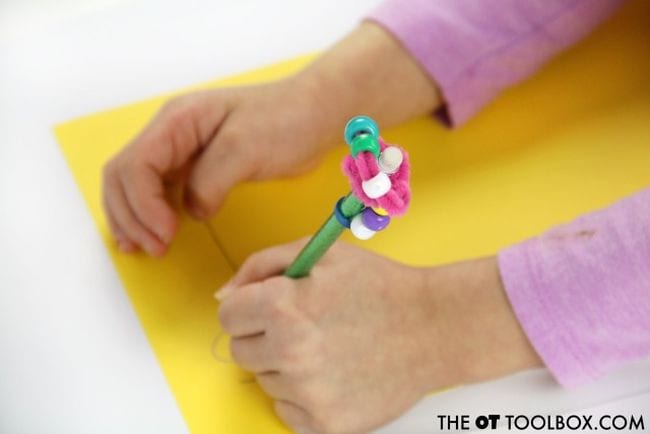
(538, 314)
(473, 51)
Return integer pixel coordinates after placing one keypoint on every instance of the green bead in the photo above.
(365, 142)
(360, 125)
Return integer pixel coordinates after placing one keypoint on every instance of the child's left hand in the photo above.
(363, 338)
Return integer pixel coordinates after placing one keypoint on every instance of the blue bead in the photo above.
(360, 125)
(374, 221)
(342, 219)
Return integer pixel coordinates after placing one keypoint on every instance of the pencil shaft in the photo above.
(323, 239)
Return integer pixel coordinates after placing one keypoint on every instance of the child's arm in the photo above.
(581, 291)
(474, 49)
(363, 338)
(206, 142)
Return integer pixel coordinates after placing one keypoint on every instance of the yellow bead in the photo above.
(380, 211)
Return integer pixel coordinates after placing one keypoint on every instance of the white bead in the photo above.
(390, 159)
(359, 230)
(376, 186)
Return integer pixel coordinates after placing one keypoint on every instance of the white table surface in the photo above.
(73, 357)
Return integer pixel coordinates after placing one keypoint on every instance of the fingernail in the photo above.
(224, 292)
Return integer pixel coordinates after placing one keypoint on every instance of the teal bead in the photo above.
(364, 142)
(360, 125)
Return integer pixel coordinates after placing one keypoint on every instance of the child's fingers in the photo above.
(266, 263)
(248, 310)
(134, 192)
(274, 385)
(216, 171)
(253, 353)
(145, 193)
(123, 242)
(293, 415)
(126, 221)
(240, 314)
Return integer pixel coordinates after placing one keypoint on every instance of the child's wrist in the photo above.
(321, 104)
(369, 73)
(473, 331)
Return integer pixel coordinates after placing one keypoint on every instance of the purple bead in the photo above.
(374, 221)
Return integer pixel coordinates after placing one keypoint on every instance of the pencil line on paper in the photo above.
(217, 241)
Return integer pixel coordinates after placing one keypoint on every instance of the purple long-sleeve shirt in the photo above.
(581, 291)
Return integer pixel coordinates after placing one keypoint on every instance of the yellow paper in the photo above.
(574, 138)
(173, 296)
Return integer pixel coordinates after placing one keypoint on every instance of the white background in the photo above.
(73, 358)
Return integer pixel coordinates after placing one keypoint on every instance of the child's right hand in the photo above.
(205, 143)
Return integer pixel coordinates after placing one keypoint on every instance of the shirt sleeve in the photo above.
(473, 49)
(581, 291)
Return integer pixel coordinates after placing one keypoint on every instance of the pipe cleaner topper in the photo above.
(379, 176)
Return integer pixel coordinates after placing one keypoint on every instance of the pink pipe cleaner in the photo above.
(365, 166)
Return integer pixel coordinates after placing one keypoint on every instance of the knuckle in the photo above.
(116, 167)
(294, 360)
(309, 399)
(126, 166)
(179, 116)
(108, 171)
(232, 138)
(169, 105)
(179, 110)
(313, 346)
(253, 259)
(174, 103)
(277, 310)
(282, 309)
(322, 421)
(139, 156)
(289, 358)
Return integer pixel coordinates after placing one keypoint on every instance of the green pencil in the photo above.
(362, 135)
(331, 230)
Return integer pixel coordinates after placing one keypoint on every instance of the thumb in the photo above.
(222, 165)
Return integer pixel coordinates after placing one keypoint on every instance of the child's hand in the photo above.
(207, 142)
(363, 338)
